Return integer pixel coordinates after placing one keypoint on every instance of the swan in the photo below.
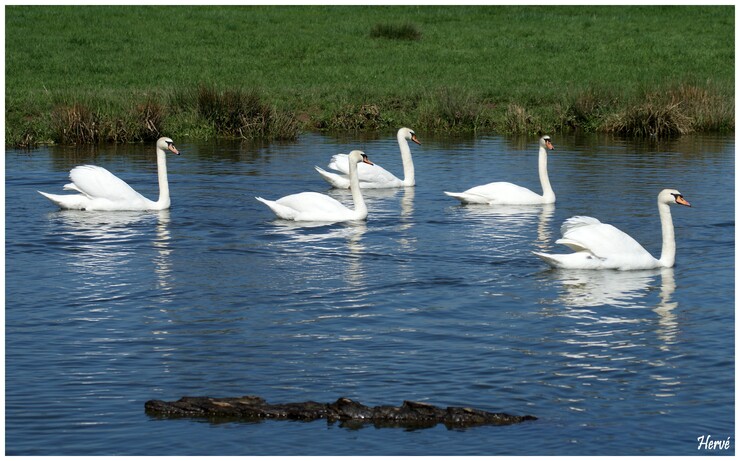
(101, 190)
(603, 246)
(312, 206)
(375, 177)
(506, 193)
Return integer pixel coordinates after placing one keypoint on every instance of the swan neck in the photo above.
(408, 163)
(354, 187)
(668, 253)
(548, 195)
(164, 187)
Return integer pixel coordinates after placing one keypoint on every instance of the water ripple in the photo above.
(427, 300)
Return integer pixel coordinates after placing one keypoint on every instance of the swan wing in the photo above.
(312, 202)
(340, 163)
(374, 174)
(98, 183)
(498, 193)
(583, 233)
(598, 246)
(309, 206)
(71, 186)
(577, 221)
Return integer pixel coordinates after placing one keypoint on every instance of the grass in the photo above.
(86, 74)
(243, 114)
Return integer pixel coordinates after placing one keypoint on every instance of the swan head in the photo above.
(409, 135)
(358, 156)
(166, 144)
(671, 196)
(546, 143)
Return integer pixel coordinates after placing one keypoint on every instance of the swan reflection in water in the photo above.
(506, 224)
(380, 202)
(407, 242)
(667, 319)
(163, 257)
(103, 247)
(305, 246)
(608, 330)
(622, 289)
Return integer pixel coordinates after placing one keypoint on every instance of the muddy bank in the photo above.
(346, 411)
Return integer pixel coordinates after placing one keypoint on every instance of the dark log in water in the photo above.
(344, 410)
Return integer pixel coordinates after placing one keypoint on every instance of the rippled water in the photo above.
(427, 300)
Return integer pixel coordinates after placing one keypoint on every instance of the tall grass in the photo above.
(137, 71)
(406, 31)
(243, 114)
(78, 123)
(351, 117)
(451, 110)
(672, 112)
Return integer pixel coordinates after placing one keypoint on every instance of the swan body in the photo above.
(312, 206)
(506, 193)
(597, 245)
(100, 190)
(374, 177)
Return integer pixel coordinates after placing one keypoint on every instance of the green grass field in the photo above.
(126, 73)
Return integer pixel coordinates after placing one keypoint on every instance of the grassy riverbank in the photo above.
(83, 74)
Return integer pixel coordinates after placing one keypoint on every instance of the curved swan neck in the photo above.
(164, 187)
(668, 253)
(354, 187)
(408, 163)
(548, 195)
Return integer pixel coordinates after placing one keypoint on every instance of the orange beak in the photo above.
(549, 145)
(173, 149)
(682, 201)
(365, 160)
(415, 139)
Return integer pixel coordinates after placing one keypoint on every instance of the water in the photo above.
(428, 300)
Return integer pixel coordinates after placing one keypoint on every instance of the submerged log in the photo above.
(346, 411)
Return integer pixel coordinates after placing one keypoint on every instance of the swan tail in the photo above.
(265, 201)
(68, 202)
(334, 179)
(578, 260)
(456, 195)
(280, 211)
(467, 198)
(550, 259)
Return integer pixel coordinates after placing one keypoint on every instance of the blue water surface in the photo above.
(428, 301)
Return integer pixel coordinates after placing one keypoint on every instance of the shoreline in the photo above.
(243, 114)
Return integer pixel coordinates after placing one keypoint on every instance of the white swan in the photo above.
(603, 246)
(312, 206)
(506, 193)
(101, 190)
(375, 177)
